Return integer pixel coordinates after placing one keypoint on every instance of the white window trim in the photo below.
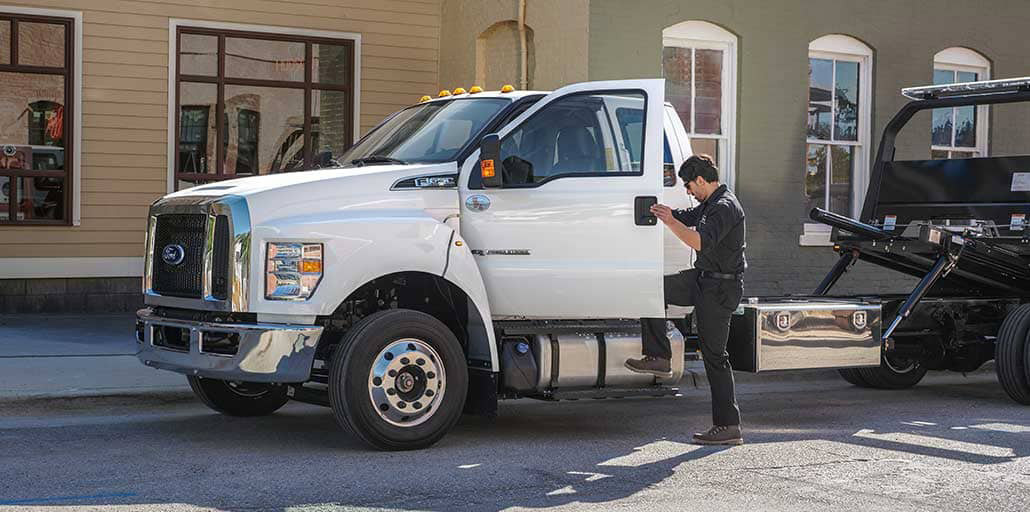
(846, 48)
(173, 30)
(76, 156)
(964, 59)
(703, 35)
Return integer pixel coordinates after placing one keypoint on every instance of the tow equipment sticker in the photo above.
(889, 221)
(1020, 182)
(1017, 222)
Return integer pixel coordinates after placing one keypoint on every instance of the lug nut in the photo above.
(417, 405)
(384, 407)
(377, 381)
(431, 375)
(405, 360)
(401, 405)
(392, 373)
(429, 392)
(391, 391)
(420, 361)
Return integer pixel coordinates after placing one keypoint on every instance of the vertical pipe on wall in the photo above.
(523, 50)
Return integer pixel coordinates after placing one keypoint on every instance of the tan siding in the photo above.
(125, 98)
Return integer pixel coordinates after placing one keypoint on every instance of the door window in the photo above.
(578, 135)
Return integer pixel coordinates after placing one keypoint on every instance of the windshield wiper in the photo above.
(376, 159)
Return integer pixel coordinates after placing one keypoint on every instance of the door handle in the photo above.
(642, 210)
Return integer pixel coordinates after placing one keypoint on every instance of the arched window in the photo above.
(959, 132)
(699, 63)
(837, 138)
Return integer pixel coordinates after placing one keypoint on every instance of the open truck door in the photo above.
(557, 207)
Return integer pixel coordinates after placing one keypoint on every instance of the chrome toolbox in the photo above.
(804, 333)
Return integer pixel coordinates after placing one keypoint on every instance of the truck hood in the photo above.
(355, 188)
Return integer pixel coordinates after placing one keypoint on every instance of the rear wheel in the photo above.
(1012, 354)
(893, 373)
(398, 380)
(236, 398)
(853, 377)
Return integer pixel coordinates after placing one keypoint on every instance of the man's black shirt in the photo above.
(720, 222)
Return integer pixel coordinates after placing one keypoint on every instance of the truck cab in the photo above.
(472, 247)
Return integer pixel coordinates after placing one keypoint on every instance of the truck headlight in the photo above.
(292, 270)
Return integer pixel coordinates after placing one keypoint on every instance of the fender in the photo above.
(366, 244)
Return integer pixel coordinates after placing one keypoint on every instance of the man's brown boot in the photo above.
(720, 434)
(653, 365)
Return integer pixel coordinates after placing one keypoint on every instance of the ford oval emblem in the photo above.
(173, 254)
(477, 202)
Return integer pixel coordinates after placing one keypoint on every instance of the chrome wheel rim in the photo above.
(406, 382)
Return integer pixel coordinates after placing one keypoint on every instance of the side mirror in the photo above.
(490, 160)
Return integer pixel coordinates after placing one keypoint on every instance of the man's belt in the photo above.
(719, 275)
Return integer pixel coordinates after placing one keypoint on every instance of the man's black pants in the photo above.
(714, 301)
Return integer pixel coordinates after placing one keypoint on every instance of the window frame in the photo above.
(612, 174)
(702, 35)
(71, 21)
(945, 60)
(839, 47)
(178, 27)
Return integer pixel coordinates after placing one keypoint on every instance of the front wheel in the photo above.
(398, 380)
(239, 398)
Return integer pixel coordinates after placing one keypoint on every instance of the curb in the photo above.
(113, 394)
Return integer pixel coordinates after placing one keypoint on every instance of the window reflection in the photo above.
(197, 128)
(253, 114)
(264, 59)
(198, 54)
(41, 44)
(677, 67)
(820, 98)
(5, 42)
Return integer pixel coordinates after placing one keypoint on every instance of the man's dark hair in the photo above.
(699, 165)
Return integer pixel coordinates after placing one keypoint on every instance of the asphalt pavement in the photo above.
(73, 437)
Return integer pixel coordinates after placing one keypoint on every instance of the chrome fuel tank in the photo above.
(588, 360)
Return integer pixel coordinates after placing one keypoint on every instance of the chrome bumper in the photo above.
(263, 352)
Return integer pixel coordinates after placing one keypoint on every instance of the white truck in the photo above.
(473, 247)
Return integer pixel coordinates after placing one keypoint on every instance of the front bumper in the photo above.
(244, 352)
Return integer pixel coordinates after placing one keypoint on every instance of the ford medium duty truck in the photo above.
(471, 248)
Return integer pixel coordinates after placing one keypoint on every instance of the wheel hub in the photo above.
(406, 382)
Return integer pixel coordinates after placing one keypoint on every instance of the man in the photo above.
(715, 229)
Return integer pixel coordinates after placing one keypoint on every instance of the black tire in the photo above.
(1012, 356)
(897, 375)
(853, 377)
(239, 398)
(352, 382)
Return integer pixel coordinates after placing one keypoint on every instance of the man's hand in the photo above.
(684, 233)
(664, 213)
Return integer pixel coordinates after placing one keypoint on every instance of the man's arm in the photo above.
(686, 234)
(689, 217)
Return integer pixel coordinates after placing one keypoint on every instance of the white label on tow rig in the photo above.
(889, 221)
(1020, 182)
(1017, 222)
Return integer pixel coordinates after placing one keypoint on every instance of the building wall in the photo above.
(626, 42)
(125, 107)
(558, 47)
(125, 99)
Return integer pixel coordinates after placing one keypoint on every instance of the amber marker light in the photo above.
(311, 266)
(475, 89)
(459, 90)
(487, 168)
(424, 99)
(443, 94)
(507, 88)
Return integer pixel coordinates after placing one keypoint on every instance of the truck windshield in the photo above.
(430, 132)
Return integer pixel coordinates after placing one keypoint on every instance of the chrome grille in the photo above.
(214, 234)
(179, 232)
